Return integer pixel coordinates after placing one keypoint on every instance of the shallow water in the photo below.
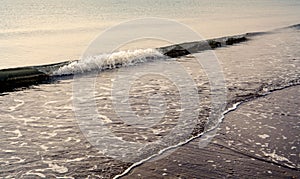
(51, 130)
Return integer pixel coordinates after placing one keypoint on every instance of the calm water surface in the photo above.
(41, 32)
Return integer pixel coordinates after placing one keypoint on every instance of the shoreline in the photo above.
(229, 156)
(41, 135)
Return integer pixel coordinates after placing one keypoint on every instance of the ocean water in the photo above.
(78, 127)
(42, 32)
(95, 116)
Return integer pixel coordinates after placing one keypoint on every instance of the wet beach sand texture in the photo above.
(260, 139)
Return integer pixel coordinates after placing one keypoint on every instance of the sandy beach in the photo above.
(270, 150)
(149, 89)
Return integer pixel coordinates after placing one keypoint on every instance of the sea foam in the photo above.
(109, 61)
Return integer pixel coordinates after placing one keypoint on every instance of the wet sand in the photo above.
(260, 139)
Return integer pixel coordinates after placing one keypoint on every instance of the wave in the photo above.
(22, 77)
(128, 58)
(295, 26)
(109, 61)
(15, 78)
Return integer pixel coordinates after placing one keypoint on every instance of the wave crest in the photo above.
(109, 61)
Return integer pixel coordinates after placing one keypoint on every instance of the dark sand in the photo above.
(260, 139)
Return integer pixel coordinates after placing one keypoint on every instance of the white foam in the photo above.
(264, 136)
(277, 157)
(109, 61)
(13, 108)
(17, 132)
(177, 145)
(57, 168)
(36, 173)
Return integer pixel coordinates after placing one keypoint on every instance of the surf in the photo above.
(23, 77)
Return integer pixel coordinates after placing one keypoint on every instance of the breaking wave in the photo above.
(109, 61)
